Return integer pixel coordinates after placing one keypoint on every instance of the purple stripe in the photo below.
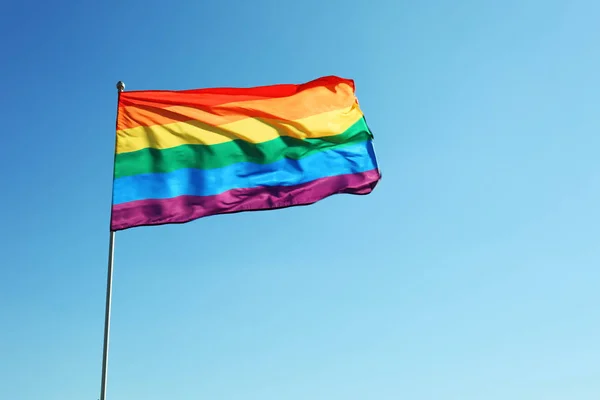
(188, 208)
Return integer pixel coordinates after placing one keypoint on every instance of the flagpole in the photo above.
(109, 277)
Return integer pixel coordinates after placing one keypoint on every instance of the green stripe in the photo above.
(220, 155)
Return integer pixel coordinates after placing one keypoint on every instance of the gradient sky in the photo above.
(471, 273)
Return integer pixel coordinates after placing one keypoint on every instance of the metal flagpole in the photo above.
(111, 258)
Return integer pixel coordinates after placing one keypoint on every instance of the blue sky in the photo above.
(470, 273)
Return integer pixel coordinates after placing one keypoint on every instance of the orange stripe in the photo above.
(252, 130)
(215, 107)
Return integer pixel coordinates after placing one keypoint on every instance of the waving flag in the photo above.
(183, 155)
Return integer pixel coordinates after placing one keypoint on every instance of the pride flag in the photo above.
(183, 155)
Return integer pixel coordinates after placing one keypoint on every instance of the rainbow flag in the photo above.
(183, 155)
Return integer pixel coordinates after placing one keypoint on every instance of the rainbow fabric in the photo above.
(183, 155)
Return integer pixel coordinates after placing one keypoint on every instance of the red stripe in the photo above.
(305, 101)
(218, 96)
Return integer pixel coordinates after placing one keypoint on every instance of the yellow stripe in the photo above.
(252, 130)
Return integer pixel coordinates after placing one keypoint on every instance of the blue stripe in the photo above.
(351, 159)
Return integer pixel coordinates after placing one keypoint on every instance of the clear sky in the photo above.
(471, 273)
